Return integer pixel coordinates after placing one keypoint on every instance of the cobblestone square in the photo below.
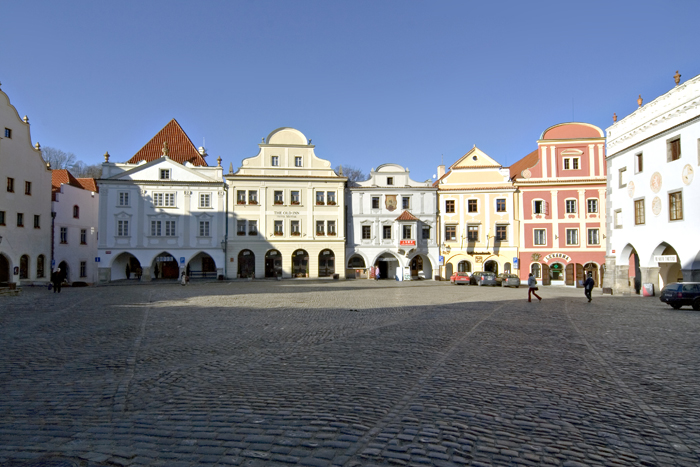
(345, 373)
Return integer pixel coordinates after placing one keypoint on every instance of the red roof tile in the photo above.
(406, 216)
(63, 177)
(88, 184)
(525, 163)
(180, 147)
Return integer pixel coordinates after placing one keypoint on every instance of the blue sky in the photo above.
(370, 82)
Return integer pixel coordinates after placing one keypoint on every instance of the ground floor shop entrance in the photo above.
(246, 264)
(326, 263)
(165, 267)
(300, 263)
(273, 264)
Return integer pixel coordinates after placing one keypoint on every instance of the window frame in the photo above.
(473, 203)
(376, 201)
(275, 161)
(320, 228)
(298, 161)
(588, 205)
(575, 163)
(122, 228)
(366, 232)
(330, 198)
(20, 219)
(252, 227)
(241, 227)
(621, 175)
(8, 133)
(10, 185)
(3, 217)
(165, 174)
(295, 197)
(424, 229)
(449, 206)
(76, 211)
(453, 229)
(204, 229)
(278, 197)
(83, 269)
(407, 232)
(639, 162)
(205, 201)
(535, 204)
(501, 233)
(27, 188)
(295, 227)
(405, 202)
(639, 212)
(63, 235)
(671, 144)
(542, 233)
(123, 198)
(37, 221)
(572, 234)
(83, 236)
(470, 230)
(573, 202)
(331, 228)
(278, 227)
(390, 181)
(252, 196)
(386, 232)
(163, 199)
(617, 218)
(675, 213)
(501, 205)
(597, 236)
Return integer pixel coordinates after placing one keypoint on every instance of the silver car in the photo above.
(508, 280)
(484, 278)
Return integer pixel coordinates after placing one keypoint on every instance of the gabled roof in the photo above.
(406, 216)
(525, 163)
(88, 184)
(475, 159)
(180, 147)
(63, 177)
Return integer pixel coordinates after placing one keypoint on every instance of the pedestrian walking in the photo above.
(184, 279)
(588, 287)
(155, 271)
(376, 273)
(532, 287)
(56, 280)
(128, 271)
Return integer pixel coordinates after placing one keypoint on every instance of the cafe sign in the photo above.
(556, 256)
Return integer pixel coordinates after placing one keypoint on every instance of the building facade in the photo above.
(561, 187)
(652, 156)
(478, 209)
(392, 224)
(75, 204)
(287, 209)
(25, 203)
(162, 213)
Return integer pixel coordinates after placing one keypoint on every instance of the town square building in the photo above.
(392, 224)
(478, 211)
(561, 187)
(287, 212)
(652, 156)
(162, 213)
(25, 203)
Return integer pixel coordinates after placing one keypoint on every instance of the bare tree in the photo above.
(353, 173)
(81, 170)
(57, 158)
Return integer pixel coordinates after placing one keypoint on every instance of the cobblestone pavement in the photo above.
(345, 373)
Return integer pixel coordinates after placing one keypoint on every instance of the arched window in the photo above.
(464, 266)
(40, 266)
(76, 212)
(536, 270)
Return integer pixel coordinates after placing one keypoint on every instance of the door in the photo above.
(579, 275)
(4, 271)
(246, 264)
(569, 274)
(448, 270)
(273, 264)
(326, 263)
(416, 265)
(546, 280)
(383, 270)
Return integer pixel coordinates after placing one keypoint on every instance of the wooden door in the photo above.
(569, 278)
(546, 280)
(579, 275)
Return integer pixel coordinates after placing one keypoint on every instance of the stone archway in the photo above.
(421, 267)
(273, 264)
(464, 266)
(300, 263)
(388, 264)
(201, 266)
(4, 271)
(448, 270)
(556, 273)
(65, 270)
(669, 271)
(491, 266)
(246, 264)
(326, 263)
(118, 269)
(166, 265)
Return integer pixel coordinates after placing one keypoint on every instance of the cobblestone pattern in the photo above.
(354, 373)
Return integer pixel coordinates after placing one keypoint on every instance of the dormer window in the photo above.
(275, 161)
(390, 180)
(298, 161)
(165, 174)
(571, 163)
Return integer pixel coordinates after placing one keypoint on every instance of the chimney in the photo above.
(440, 171)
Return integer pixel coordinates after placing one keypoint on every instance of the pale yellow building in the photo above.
(287, 212)
(477, 216)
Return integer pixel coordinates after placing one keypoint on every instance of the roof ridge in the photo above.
(179, 147)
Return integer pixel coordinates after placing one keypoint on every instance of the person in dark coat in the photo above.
(588, 286)
(57, 280)
(128, 272)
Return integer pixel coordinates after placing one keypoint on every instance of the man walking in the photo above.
(588, 286)
(57, 279)
(532, 287)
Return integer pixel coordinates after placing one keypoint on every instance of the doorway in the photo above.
(300, 263)
(273, 264)
(4, 271)
(491, 266)
(165, 267)
(246, 264)
(326, 263)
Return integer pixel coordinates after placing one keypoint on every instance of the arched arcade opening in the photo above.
(122, 263)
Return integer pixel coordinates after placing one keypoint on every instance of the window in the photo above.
(501, 233)
(253, 197)
(451, 232)
(295, 228)
(472, 233)
(2, 217)
(83, 269)
(37, 220)
(366, 232)
(406, 202)
(331, 228)
(10, 185)
(252, 227)
(386, 231)
(330, 198)
(538, 207)
(76, 212)
(375, 202)
(64, 234)
(593, 237)
(165, 174)
(592, 206)
(122, 228)
(124, 198)
(320, 229)
(296, 198)
(279, 197)
(164, 200)
(169, 228)
(275, 161)
(390, 180)
(571, 163)
(536, 270)
(639, 212)
(204, 228)
(320, 197)
(297, 161)
(540, 236)
(278, 227)
(572, 236)
(205, 200)
(8, 133)
(618, 218)
(472, 206)
(675, 206)
(20, 219)
(622, 180)
(638, 163)
(571, 206)
(240, 197)
(240, 227)
(40, 260)
(450, 206)
(673, 149)
(155, 229)
(407, 232)
(426, 232)
(83, 236)
(27, 188)
(500, 205)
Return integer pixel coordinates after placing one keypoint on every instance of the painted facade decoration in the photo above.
(162, 213)
(652, 157)
(561, 187)
(25, 203)
(392, 224)
(478, 208)
(287, 212)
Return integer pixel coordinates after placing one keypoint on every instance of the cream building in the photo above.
(25, 203)
(287, 211)
(477, 216)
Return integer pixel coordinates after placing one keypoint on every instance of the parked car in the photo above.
(508, 280)
(483, 278)
(460, 278)
(681, 294)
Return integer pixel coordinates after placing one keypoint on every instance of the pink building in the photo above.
(562, 205)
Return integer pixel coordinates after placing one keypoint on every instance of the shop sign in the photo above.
(286, 213)
(665, 258)
(557, 255)
(407, 243)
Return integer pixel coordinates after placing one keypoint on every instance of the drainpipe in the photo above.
(226, 231)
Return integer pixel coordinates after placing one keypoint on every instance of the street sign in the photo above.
(442, 260)
(97, 259)
(182, 260)
(516, 265)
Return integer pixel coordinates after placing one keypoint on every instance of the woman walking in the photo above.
(532, 287)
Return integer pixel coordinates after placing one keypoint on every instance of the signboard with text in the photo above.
(407, 243)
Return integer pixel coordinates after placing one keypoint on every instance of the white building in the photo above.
(75, 204)
(25, 203)
(163, 212)
(652, 156)
(392, 223)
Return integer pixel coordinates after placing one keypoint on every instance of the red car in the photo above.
(460, 278)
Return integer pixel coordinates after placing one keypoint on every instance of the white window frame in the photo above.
(588, 205)
(330, 198)
(330, 228)
(122, 228)
(572, 163)
(252, 227)
(573, 202)
(295, 227)
(543, 235)
(369, 232)
(505, 204)
(597, 236)
(617, 218)
(205, 201)
(164, 199)
(281, 227)
(572, 234)
(165, 174)
(495, 235)
(241, 227)
(320, 228)
(156, 230)
(621, 174)
(123, 198)
(204, 229)
(298, 161)
(281, 197)
(275, 161)
(534, 207)
(170, 228)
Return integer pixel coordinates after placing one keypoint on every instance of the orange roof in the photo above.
(88, 184)
(406, 216)
(525, 163)
(180, 147)
(63, 177)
